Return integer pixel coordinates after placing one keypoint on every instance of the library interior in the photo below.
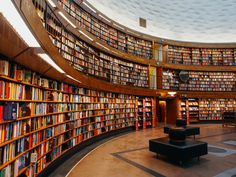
(111, 88)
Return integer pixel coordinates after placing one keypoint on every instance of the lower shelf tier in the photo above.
(76, 149)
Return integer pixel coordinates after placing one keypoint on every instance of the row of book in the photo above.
(86, 59)
(206, 109)
(201, 56)
(200, 81)
(108, 34)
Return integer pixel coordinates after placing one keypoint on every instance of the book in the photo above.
(1, 112)
(28, 76)
(4, 67)
(10, 111)
(24, 110)
(19, 73)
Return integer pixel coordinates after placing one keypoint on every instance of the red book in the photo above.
(1, 113)
(19, 74)
(7, 90)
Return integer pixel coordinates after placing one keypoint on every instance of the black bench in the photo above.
(181, 153)
(189, 131)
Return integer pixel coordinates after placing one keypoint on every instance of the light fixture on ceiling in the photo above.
(48, 59)
(102, 46)
(104, 18)
(9, 11)
(51, 3)
(89, 7)
(86, 35)
(72, 78)
(65, 18)
(118, 26)
(172, 93)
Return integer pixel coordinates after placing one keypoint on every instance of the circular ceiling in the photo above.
(205, 21)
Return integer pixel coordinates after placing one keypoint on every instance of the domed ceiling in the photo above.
(205, 21)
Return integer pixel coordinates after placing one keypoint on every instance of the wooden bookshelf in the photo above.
(202, 56)
(105, 32)
(199, 81)
(213, 109)
(205, 109)
(43, 116)
(183, 107)
(193, 108)
(146, 113)
(89, 60)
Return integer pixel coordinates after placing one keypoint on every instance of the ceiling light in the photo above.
(72, 78)
(48, 59)
(118, 26)
(172, 93)
(51, 3)
(65, 18)
(10, 12)
(86, 35)
(104, 18)
(102, 46)
(89, 7)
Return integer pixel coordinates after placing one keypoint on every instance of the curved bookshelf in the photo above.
(108, 34)
(50, 117)
(201, 56)
(47, 117)
(199, 81)
(86, 58)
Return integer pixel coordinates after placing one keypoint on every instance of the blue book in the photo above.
(14, 109)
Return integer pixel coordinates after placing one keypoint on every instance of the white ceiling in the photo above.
(210, 21)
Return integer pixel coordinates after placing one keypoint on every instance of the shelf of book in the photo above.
(46, 117)
(199, 81)
(205, 109)
(89, 60)
(183, 107)
(146, 115)
(108, 34)
(202, 56)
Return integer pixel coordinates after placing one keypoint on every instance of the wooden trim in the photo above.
(111, 51)
(198, 68)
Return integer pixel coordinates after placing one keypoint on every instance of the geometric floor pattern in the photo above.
(227, 173)
(230, 142)
(220, 151)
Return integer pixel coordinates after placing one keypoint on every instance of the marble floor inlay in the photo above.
(230, 142)
(220, 151)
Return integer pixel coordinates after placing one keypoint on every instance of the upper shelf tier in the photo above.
(201, 56)
(109, 35)
(87, 59)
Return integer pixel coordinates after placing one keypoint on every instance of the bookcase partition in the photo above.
(146, 113)
(44, 116)
(108, 34)
(87, 59)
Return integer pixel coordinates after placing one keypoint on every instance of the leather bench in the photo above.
(189, 131)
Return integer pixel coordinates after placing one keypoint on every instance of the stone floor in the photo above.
(128, 155)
